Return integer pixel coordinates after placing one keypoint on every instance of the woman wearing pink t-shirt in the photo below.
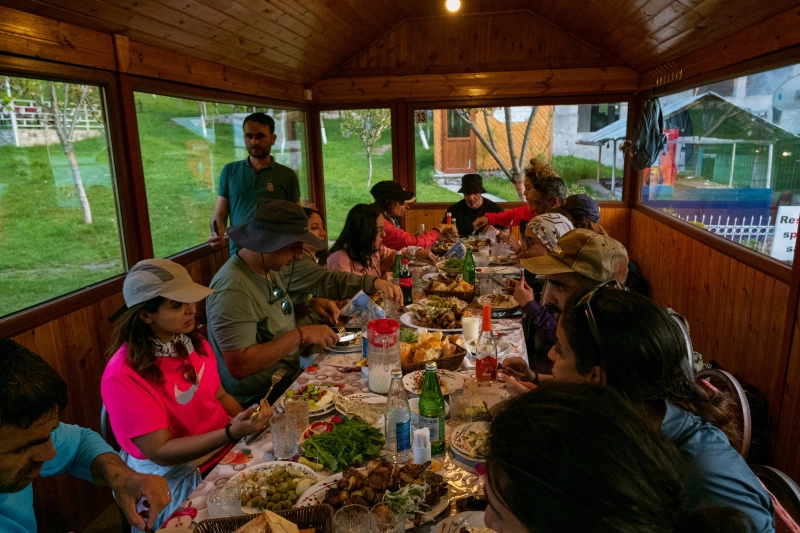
(161, 387)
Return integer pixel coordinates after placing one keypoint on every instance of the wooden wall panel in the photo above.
(787, 457)
(42, 38)
(562, 82)
(75, 346)
(517, 40)
(736, 313)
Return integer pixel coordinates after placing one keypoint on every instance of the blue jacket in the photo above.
(717, 474)
(76, 448)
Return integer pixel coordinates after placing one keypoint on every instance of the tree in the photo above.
(516, 172)
(368, 125)
(62, 112)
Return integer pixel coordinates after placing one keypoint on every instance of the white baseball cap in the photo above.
(161, 277)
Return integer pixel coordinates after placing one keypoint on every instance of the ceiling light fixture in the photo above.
(453, 5)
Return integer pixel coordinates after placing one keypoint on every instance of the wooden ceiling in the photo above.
(307, 40)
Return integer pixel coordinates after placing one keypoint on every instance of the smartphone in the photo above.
(215, 227)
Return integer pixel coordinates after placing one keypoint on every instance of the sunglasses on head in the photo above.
(585, 303)
(189, 373)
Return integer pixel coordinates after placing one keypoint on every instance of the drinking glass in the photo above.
(460, 407)
(297, 411)
(486, 286)
(224, 500)
(387, 521)
(471, 326)
(352, 519)
(284, 437)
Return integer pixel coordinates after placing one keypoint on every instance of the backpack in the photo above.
(648, 138)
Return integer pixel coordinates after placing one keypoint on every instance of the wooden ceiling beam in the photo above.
(582, 81)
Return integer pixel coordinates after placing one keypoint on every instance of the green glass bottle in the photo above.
(469, 267)
(398, 265)
(431, 408)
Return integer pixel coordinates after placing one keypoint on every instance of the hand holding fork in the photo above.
(276, 377)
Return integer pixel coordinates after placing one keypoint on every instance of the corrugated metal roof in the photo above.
(618, 130)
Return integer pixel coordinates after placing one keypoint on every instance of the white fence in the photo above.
(26, 115)
(751, 233)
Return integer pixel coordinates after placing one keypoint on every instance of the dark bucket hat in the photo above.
(582, 205)
(472, 184)
(275, 224)
(391, 190)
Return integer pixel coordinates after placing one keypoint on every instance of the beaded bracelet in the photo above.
(302, 339)
(230, 435)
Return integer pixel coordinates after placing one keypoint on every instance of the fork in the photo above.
(276, 377)
(342, 331)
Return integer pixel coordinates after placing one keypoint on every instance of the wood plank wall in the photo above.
(75, 346)
(615, 220)
(736, 313)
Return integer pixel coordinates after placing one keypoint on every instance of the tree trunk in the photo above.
(520, 186)
(369, 174)
(69, 150)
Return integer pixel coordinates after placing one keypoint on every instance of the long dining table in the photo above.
(459, 473)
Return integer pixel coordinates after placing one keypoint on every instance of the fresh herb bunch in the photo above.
(349, 442)
(454, 264)
(408, 335)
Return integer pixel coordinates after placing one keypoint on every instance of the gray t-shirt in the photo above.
(240, 315)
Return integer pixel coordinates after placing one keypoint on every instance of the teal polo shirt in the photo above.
(244, 187)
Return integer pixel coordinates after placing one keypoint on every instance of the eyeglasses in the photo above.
(189, 373)
(586, 304)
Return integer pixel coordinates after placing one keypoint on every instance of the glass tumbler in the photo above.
(224, 500)
(352, 519)
(460, 407)
(297, 411)
(384, 520)
(284, 437)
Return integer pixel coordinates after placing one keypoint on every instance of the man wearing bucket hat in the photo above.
(473, 206)
(392, 200)
(251, 322)
(580, 261)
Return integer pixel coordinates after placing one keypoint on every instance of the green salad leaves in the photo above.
(348, 443)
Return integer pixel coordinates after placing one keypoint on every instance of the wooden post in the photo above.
(599, 161)
(733, 160)
(769, 165)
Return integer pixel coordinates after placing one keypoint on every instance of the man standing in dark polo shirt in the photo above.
(473, 206)
(243, 183)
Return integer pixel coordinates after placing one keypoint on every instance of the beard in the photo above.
(553, 309)
(258, 152)
(24, 478)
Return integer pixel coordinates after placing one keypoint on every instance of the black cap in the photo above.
(472, 184)
(275, 224)
(582, 205)
(391, 190)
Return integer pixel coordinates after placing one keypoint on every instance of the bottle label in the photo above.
(403, 435)
(406, 282)
(433, 424)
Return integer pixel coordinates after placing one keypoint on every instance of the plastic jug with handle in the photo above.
(383, 353)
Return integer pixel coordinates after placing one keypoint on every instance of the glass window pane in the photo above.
(732, 160)
(356, 154)
(58, 215)
(185, 145)
(580, 141)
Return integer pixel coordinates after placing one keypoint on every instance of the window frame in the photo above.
(598, 99)
(751, 258)
(177, 90)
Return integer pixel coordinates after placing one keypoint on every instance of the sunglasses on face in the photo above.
(188, 371)
(585, 303)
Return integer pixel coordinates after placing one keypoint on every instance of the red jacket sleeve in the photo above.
(511, 217)
(397, 239)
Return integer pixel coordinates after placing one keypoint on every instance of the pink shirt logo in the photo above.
(184, 397)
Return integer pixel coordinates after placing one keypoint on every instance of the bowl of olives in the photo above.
(273, 486)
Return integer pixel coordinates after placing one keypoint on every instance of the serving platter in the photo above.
(267, 467)
(408, 319)
(450, 381)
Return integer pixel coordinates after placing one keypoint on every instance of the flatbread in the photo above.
(369, 412)
(268, 522)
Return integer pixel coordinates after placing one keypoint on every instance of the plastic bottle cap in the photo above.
(405, 261)
(383, 326)
(486, 323)
(397, 373)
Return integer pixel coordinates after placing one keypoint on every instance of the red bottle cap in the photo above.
(486, 323)
(405, 261)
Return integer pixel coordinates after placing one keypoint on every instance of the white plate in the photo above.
(267, 467)
(405, 319)
(440, 266)
(327, 409)
(450, 380)
(503, 348)
(368, 397)
(458, 440)
(429, 276)
(316, 494)
(468, 519)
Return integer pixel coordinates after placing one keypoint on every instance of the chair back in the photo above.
(719, 380)
(106, 431)
(785, 496)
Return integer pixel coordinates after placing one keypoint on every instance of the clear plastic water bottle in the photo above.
(397, 428)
